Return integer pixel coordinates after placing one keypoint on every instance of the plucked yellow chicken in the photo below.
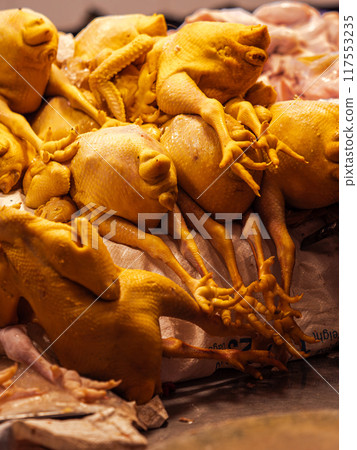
(143, 74)
(123, 172)
(15, 156)
(111, 321)
(107, 56)
(311, 128)
(193, 146)
(28, 46)
(197, 69)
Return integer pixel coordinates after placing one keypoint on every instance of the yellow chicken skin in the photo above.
(15, 157)
(311, 129)
(197, 69)
(55, 119)
(107, 53)
(123, 169)
(43, 181)
(117, 339)
(28, 45)
(122, 172)
(113, 32)
(194, 148)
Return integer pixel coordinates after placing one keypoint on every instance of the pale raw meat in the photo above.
(303, 50)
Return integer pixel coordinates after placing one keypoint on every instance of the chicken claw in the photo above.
(267, 283)
(239, 359)
(57, 150)
(7, 374)
(9, 392)
(211, 297)
(232, 152)
(290, 334)
(18, 346)
(272, 145)
(286, 332)
(269, 287)
(253, 119)
(84, 389)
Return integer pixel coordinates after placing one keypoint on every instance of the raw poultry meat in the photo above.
(303, 52)
(314, 185)
(117, 337)
(15, 343)
(28, 48)
(165, 93)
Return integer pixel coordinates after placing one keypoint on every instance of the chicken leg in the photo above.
(18, 347)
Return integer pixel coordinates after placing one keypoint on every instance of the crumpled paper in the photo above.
(57, 420)
(315, 275)
(104, 430)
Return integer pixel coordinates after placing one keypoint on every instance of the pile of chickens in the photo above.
(133, 121)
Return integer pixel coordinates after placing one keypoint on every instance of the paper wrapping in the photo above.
(315, 275)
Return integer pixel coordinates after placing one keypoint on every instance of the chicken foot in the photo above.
(212, 112)
(21, 128)
(205, 292)
(18, 347)
(240, 360)
(7, 391)
(99, 80)
(246, 305)
(245, 113)
(287, 332)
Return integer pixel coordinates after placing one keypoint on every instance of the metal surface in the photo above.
(229, 395)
